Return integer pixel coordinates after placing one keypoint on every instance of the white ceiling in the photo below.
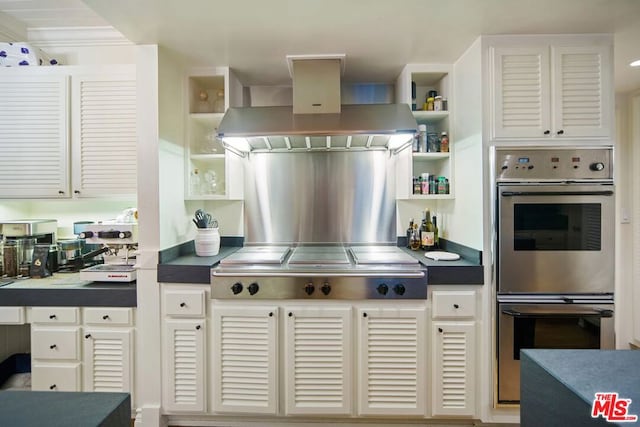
(377, 36)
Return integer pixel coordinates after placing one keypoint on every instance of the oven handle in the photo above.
(419, 275)
(556, 193)
(523, 314)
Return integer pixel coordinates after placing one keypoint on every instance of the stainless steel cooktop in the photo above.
(319, 271)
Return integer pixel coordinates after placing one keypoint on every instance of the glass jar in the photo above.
(10, 258)
(433, 143)
(429, 104)
(444, 142)
(437, 103)
(423, 138)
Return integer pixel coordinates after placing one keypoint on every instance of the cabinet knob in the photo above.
(60, 192)
(560, 132)
(456, 306)
(52, 316)
(87, 336)
(364, 314)
(290, 314)
(53, 387)
(547, 132)
(52, 346)
(271, 314)
(105, 317)
(440, 330)
(76, 191)
(198, 327)
(182, 304)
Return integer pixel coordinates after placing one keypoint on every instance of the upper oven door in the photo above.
(555, 238)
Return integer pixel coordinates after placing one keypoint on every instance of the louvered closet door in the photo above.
(244, 353)
(318, 356)
(184, 361)
(453, 359)
(582, 86)
(392, 361)
(34, 143)
(107, 360)
(521, 98)
(104, 138)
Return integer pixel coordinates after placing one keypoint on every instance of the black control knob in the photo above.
(399, 289)
(382, 289)
(86, 234)
(326, 288)
(309, 288)
(253, 288)
(124, 234)
(597, 166)
(236, 288)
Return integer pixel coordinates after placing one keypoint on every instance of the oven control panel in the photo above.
(549, 164)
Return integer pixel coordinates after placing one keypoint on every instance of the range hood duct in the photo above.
(317, 120)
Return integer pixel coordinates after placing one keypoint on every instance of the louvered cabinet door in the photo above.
(318, 356)
(392, 361)
(521, 92)
(583, 91)
(244, 358)
(108, 362)
(184, 365)
(104, 137)
(453, 368)
(34, 142)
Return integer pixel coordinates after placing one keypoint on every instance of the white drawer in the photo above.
(453, 304)
(55, 315)
(185, 303)
(55, 344)
(108, 316)
(55, 377)
(12, 315)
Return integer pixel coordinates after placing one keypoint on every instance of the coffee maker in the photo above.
(24, 236)
(119, 242)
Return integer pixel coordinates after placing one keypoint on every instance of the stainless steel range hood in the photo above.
(317, 120)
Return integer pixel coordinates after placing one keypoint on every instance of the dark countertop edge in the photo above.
(99, 296)
(190, 268)
(611, 370)
(165, 256)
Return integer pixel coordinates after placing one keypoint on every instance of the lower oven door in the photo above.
(547, 326)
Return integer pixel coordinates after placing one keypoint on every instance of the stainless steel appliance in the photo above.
(320, 225)
(555, 253)
(319, 272)
(118, 241)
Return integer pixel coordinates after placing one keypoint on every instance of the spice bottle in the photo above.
(437, 103)
(444, 142)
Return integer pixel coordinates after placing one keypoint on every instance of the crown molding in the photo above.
(76, 37)
(11, 30)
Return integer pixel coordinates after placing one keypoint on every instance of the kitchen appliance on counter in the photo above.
(319, 272)
(555, 254)
(20, 240)
(118, 242)
(320, 225)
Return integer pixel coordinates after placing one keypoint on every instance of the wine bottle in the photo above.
(409, 232)
(427, 232)
(415, 238)
(436, 237)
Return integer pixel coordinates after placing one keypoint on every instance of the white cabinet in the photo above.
(108, 349)
(34, 141)
(244, 359)
(68, 132)
(453, 333)
(426, 78)
(184, 349)
(213, 172)
(392, 361)
(318, 352)
(104, 136)
(552, 89)
(55, 349)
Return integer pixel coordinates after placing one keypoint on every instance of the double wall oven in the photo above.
(555, 254)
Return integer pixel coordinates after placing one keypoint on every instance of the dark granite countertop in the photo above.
(181, 265)
(66, 289)
(558, 386)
